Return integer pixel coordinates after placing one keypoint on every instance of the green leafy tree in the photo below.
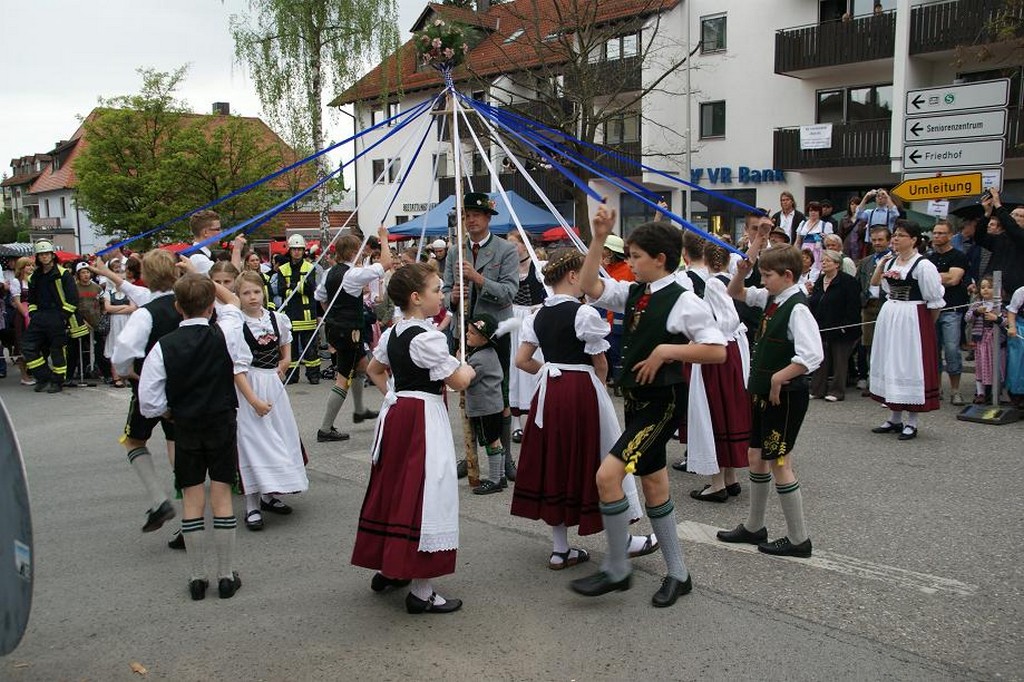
(8, 230)
(149, 159)
(297, 48)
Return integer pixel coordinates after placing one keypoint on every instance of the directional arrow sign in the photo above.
(947, 155)
(952, 98)
(955, 126)
(945, 187)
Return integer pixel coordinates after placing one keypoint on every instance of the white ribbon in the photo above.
(553, 369)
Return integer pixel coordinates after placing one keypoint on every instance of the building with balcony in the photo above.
(758, 73)
(24, 171)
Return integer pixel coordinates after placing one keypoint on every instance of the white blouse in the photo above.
(927, 276)
(591, 328)
(261, 326)
(428, 350)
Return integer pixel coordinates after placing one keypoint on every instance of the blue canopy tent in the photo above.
(533, 219)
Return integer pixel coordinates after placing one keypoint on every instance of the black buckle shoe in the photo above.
(177, 541)
(330, 436)
(158, 517)
(461, 468)
(254, 520)
(228, 586)
(783, 547)
(381, 582)
(908, 433)
(415, 605)
(488, 487)
(275, 506)
(716, 496)
(197, 588)
(670, 590)
(733, 489)
(358, 417)
(741, 534)
(600, 583)
(888, 427)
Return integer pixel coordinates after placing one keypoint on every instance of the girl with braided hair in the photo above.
(561, 449)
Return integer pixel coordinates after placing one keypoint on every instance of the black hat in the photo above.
(486, 325)
(478, 201)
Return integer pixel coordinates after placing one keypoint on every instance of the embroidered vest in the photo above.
(772, 348)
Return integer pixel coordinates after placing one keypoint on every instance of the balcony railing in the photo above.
(607, 77)
(835, 42)
(860, 143)
(948, 25)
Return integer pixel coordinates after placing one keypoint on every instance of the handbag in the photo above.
(103, 326)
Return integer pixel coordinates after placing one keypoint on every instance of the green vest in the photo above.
(772, 348)
(649, 333)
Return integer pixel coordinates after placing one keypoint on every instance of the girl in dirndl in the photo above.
(983, 318)
(904, 355)
(409, 522)
(718, 418)
(562, 447)
(527, 301)
(271, 459)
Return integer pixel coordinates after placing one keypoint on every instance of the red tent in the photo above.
(65, 256)
(175, 247)
(557, 234)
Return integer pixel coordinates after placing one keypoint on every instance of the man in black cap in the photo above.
(491, 274)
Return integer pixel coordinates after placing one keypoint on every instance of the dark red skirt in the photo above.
(729, 405)
(557, 477)
(930, 358)
(388, 537)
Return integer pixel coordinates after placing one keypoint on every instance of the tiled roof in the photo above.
(459, 15)
(310, 220)
(495, 54)
(64, 178)
(23, 179)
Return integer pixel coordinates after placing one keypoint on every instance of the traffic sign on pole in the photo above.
(955, 126)
(943, 187)
(953, 154)
(952, 98)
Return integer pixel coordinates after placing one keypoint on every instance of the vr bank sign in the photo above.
(724, 175)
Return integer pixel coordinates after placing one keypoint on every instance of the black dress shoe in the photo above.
(197, 589)
(313, 379)
(275, 506)
(670, 590)
(461, 468)
(741, 534)
(680, 465)
(488, 487)
(177, 541)
(158, 517)
(600, 583)
(717, 496)
(330, 436)
(381, 582)
(908, 433)
(517, 436)
(888, 427)
(228, 586)
(358, 417)
(254, 520)
(415, 605)
(733, 489)
(783, 547)
(40, 386)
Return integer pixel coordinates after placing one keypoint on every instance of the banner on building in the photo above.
(816, 136)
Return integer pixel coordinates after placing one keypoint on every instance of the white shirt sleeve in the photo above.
(527, 334)
(803, 331)
(930, 282)
(756, 297)
(380, 353)
(718, 300)
(202, 262)
(614, 295)
(592, 330)
(140, 296)
(230, 321)
(1016, 301)
(320, 294)
(429, 350)
(692, 317)
(153, 384)
(284, 328)
(683, 280)
(131, 342)
(357, 278)
(15, 286)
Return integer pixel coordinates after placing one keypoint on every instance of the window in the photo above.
(515, 35)
(620, 47)
(622, 128)
(630, 45)
(441, 162)
(376, 115)
(864, 103)
(47, 205)
(392, 112)
(63, 207)
(635, 212)
(395, 171)
(712, 119)
(378, 170)
(401, 219)
(480, 96)
(712, 34)
(478, 164)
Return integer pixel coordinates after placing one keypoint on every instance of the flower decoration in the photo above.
(442, 45)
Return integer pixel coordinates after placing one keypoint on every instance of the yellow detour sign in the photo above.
(943, 187)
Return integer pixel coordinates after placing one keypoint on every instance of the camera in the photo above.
(986, 195)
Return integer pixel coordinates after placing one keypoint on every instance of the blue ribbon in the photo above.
(411, 114)
(253, 223)
(529, 122)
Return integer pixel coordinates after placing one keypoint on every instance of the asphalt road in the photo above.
(916, 575)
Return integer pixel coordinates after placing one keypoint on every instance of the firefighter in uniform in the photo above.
(298, 275)
(52, 300)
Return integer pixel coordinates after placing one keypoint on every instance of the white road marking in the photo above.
(838, 563)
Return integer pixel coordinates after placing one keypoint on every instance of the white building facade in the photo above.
(760, 71)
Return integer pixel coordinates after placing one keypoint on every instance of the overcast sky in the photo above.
(59, 56)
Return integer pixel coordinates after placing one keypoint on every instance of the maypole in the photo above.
(443, 46)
